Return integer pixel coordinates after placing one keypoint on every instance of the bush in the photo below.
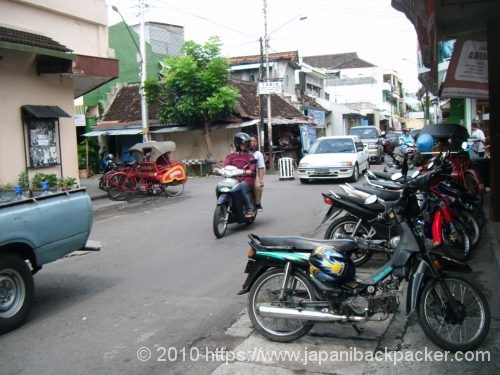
(38, 178)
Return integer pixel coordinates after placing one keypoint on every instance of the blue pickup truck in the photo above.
(34, 232)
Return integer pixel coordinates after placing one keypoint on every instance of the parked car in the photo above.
(334, 157)
(369, 135)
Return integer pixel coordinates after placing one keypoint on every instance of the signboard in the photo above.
(319, 117)
(467, 75)
(266, 88)
(79, 120)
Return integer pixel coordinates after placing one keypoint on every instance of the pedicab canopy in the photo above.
(152, 150)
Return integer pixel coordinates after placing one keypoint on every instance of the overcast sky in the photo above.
(372, 28)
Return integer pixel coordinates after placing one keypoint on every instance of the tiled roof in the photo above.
(291, 56)
(338, 61)
(29, 39)
(126, 106)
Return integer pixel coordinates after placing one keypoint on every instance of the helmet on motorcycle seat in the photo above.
(425, 142)
(330, 265)
(241, 139)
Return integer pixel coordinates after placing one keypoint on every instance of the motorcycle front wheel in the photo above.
(343, 228)
(221, 217)
(266, 292)
(442, 326)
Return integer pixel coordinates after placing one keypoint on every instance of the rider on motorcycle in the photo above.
(240, 158)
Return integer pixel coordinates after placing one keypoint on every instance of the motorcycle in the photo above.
(230, 208)
(291, 288)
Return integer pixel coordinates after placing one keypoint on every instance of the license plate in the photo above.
(322, 171)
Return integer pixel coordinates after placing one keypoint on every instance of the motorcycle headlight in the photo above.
(225, 189)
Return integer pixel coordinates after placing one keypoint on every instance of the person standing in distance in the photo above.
(478, 138)
(261, 170)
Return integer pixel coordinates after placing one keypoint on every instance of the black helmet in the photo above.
(241, 139)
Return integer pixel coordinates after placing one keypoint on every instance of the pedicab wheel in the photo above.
(221, 217)
(116, 187)
(174, 189)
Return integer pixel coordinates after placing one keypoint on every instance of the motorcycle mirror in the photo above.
(371, 199)
(396, 176)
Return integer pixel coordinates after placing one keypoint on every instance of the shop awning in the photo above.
(43, 111)
(242, 124)
(170, 129)
(96, 133)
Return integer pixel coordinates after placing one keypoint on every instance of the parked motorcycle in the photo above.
(230, 208)
(290, 288)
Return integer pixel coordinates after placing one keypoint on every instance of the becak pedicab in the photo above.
(155, 172)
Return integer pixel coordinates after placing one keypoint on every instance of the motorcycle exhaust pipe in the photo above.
(317, 316)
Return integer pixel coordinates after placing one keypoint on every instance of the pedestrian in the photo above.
(478, 139)
(261, 171)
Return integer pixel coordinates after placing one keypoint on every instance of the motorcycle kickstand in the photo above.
(359, 330)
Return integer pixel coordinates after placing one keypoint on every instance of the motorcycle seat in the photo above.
(375, 207)
(297, 243)
(386, 195)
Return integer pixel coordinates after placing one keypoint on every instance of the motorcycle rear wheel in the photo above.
(266, 291)
(342, 228)
(438, 321)
(220, 220)
(456, 240)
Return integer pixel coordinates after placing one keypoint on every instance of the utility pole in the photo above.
(144, 104)
(269, 115)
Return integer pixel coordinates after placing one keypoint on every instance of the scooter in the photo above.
(230, 207)
(290, 288)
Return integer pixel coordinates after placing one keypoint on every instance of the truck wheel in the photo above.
(16, 292)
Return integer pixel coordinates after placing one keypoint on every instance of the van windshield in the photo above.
(364, 133)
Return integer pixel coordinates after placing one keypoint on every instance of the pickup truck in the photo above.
(36, 231)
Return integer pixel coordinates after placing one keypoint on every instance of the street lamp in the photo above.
(266, 48)
(142, 54)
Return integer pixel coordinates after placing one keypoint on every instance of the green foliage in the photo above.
(68, 182)
(23, 180)
(93, 153)
(7, 187)
(194, 90)
(38, 178)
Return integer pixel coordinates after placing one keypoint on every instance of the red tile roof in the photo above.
(29, 39)
(125, 108)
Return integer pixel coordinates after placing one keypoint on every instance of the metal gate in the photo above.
(286, 167)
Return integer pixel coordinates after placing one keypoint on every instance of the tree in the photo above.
(193, 89)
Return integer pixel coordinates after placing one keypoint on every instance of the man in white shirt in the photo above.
(261, 170)
(478, 139)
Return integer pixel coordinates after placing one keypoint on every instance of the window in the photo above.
(42, 143)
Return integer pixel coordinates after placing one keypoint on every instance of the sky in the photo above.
(372, 28)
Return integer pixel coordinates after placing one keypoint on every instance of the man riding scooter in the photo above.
(240, 158)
